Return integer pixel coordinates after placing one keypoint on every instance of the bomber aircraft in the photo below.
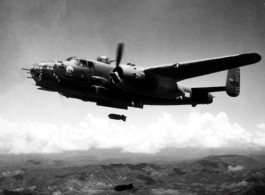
(128, 85)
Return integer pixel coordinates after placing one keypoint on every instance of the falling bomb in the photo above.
(117, 117)
(124, 187)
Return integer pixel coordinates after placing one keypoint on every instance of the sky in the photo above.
(154, 33)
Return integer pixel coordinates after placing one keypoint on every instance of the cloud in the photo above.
(261, 126)
(235, 168)
(201, 131)
(259, 138)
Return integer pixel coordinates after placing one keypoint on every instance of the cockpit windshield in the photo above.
(70, 58)
(75, 60)
(80, 62)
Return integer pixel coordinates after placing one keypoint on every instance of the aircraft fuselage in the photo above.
(91, 81)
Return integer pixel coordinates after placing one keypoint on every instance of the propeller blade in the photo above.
(119, 54)
(116, 74)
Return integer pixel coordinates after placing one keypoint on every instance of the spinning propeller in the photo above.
(117, 73)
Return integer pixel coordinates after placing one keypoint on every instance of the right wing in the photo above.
(186, 70)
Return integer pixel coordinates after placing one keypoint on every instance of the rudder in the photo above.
(233, 82)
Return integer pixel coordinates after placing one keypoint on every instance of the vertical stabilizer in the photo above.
(233, 82)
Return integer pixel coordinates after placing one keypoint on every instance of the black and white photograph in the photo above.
(140, 97)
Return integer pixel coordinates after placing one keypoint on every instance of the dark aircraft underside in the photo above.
(102, 97)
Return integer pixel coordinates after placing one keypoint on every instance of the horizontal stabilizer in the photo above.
(209, 89)
(25, 69)
(233, 82)
(45, 89)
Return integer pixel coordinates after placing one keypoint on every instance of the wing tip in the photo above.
(251, 58)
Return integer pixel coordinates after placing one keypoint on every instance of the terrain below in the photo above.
(223, 174)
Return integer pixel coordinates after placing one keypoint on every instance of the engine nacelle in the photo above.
(128, 101)
(137, 103)
(128, 76)
(200, 96)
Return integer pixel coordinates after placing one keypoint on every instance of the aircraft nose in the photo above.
(36, 72)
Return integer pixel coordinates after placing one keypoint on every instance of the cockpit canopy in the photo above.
(103, 59)
(75, 60)
(70, 58)
(81, 62)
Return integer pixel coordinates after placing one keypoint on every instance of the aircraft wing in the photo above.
(186, 70)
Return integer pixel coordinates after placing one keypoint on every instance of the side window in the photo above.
(83, 63)
(87, 64)
(90, 64)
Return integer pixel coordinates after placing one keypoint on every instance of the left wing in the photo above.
(186, 70)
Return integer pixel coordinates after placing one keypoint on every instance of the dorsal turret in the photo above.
(103, 59)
